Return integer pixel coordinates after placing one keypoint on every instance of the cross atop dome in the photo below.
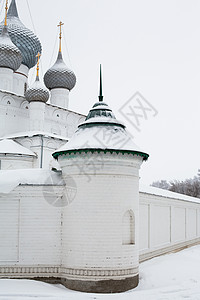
(38, 63)
(6, 8)
(59, 76)
(60, 35)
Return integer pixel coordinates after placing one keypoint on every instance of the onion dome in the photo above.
(25, 40)
(10, 55)
(37, 92)
(101, 131)
(60, 76)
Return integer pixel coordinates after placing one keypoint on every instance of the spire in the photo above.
(100, 90)
(38, 65)
(6, 8)
(60, 36)
(13, 10)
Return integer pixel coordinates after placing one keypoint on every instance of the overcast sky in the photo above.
(146, 46)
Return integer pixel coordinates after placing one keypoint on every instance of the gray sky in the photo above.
(150, 46)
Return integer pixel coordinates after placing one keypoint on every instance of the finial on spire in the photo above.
(38, 63)
(60, 36)
(6, 8)
(100, 90)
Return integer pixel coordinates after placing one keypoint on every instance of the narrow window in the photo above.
(25, 87)
(128, 224)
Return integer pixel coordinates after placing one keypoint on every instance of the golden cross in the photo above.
(6, 8)
(38, 63)
(60, 36)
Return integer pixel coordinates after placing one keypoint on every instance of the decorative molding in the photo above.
(33, 270)
(85, 151)
(15, 271)
(98, 272)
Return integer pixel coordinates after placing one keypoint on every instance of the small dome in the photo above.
(10, 55)
(25, 40)
(59, 76)
(37, 92)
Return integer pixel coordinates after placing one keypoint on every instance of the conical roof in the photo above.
(37, 92)
(10, 55)
(25, 40)
(101, 131)
(59, 75)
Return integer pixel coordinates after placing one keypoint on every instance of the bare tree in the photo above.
(190, 187)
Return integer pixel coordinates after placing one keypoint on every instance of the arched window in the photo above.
(128, 224)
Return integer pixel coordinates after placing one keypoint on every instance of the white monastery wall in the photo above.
(167, 224)
(30, 232)
(42, 146)
(14, 115)
(9, 162)
(35, 235)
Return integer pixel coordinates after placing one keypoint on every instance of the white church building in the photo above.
(71, 207)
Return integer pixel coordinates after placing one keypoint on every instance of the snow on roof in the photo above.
(11, 147)
(167, 194)
(100, 137)
(102, 120)
(66, 109)
(10, 179)
(34, 133)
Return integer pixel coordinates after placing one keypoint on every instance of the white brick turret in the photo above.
(100, 226)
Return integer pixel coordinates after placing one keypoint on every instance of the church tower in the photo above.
(101, 225)
(37, 95)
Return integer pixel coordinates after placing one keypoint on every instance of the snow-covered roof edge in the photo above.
(11, 147)
(10, 179)
(34, 133)
(167, 194)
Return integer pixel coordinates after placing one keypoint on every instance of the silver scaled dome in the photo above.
(25, 40)
(10, 55)
(37, 92)
(59, 76)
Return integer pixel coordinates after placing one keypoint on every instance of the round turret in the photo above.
(104, 163)
(59, 76)
(25, 40)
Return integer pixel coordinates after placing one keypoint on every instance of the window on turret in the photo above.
(128, 224)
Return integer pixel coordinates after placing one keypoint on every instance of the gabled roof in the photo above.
(11, 147)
